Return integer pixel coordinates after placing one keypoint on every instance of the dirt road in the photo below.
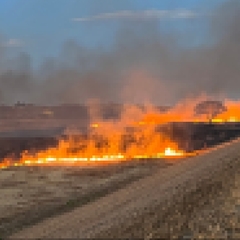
(123, 206)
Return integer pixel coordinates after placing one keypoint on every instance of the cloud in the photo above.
(143, 15)
(13, 42)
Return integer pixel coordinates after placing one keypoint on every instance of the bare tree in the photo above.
(210, 109)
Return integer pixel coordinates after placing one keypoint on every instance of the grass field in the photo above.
(30, 194)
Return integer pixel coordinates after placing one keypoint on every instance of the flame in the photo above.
(83, 161)
(172, 152)
(233, 112)
(133, 136)
(147, 144)
(94, 125)
(184, 112)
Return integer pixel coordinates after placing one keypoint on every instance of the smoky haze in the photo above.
(143, 65)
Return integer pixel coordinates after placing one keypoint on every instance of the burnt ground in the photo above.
(13, 147)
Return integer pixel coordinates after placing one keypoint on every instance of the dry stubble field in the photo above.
(31, 194)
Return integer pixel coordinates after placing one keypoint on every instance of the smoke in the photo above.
(145, 64)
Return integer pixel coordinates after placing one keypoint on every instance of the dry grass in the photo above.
(210, 211)
(31, 194)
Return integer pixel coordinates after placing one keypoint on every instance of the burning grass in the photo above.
(64, 155)
(111, 141)
(133, 136)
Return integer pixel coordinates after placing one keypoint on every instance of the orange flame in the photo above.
(42, 159)
(106, 145)
(184, 112)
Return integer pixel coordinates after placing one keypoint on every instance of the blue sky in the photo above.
(40, 27)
